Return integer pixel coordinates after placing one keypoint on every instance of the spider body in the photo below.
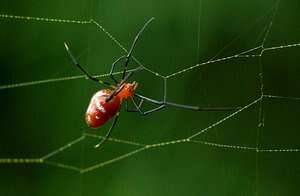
(100, 109)
(106, 103)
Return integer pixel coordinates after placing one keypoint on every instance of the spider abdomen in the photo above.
(99, 110)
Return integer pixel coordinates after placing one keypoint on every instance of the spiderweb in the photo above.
(221, 126)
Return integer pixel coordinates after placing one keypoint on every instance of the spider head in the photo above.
(127, 90)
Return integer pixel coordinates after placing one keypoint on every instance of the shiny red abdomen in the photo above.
(99, 111)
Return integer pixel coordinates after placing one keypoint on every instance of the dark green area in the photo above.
(38, 119)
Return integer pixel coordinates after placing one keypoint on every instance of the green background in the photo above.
(38, 119)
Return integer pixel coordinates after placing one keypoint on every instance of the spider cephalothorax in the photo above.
(127, 90)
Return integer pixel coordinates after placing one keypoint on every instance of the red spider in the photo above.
(106, 103)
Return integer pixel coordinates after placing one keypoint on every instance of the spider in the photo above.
(106, 103)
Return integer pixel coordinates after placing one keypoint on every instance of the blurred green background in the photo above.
(38, 119)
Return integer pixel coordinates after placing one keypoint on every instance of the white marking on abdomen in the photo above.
(100, 107)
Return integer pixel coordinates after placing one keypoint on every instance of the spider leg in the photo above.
(165, 103)
(137, 106)
(74, 61)
(129, 109)
(197, 108)
(133, 46)
(154, 110)
(113, 68)
(109, 132)
(189, 107)
(128, 56)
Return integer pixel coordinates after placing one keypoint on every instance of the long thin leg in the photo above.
(164, 103)
(149, 99)
(109, 132)
(197, 108)
(113, 68)
(74, 61)
(133, 45)
(128, 109)
(154, 109)
(128, 56)
(137, 106)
